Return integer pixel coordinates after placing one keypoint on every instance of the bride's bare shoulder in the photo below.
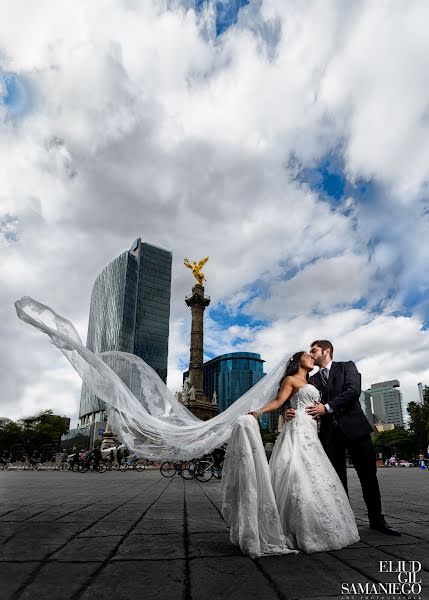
(290, 381)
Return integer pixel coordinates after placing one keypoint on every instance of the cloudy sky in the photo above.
(289, 141)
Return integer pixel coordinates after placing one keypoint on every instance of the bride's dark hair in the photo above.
(292, 366)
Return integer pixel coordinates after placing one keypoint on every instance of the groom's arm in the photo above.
(351, 389)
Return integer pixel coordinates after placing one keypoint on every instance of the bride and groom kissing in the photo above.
(300, 500)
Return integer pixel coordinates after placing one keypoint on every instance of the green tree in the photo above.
(34, 432)
(419, 422)
(268, 436)
(397, 441)
(10, 435)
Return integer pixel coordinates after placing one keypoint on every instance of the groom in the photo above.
(343, 426)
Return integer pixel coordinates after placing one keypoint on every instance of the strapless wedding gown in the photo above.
(298, 501)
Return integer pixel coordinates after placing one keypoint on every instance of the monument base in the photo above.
(108, 440)
(200, 406)
(202, 410)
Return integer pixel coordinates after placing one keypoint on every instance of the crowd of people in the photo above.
(64, 460)
(114, 458)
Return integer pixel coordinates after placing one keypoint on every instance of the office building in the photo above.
(230, 376)
(386, 400)
(130, 312)
(365, 402)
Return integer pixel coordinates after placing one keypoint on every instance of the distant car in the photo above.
(405, 463)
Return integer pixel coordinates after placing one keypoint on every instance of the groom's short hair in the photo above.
(324, 344)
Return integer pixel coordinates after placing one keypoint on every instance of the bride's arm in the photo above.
(285, 391)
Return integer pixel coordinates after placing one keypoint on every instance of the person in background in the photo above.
(64, 459)
(96, 457)
(74, 461)
(119, 456)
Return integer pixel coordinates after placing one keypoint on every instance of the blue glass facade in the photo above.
(231, 375)
(130, 312)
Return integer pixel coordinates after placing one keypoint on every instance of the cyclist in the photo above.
(96, 457)
(74, 461)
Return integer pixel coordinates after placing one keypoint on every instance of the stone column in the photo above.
(197, 302)
(194, 398)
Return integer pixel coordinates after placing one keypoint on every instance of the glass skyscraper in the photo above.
(130, 312)
(231, 375)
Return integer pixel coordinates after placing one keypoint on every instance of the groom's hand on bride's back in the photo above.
(289, 414)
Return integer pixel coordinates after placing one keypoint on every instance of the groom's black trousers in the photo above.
(363, 457)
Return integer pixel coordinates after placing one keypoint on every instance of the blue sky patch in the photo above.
(13, 94)
(221, 314)
(8, 228)
(226, 12)
(328, 180)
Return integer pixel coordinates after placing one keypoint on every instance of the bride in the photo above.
(313, 510)
(301, 504)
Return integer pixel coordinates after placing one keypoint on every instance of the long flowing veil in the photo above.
(144, 414)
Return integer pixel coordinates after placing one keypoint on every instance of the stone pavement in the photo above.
(126, 536)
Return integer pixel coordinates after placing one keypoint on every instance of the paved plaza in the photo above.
(140, 536)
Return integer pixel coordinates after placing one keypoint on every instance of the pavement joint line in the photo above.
(416, 512)
(421, 540)
(14, 509)
(259, 567)
(357, 569)
(208, 531)
(117, 560)
(394, 501)
(104, 563)
(102, 501)
(46, 510)
(187, 587)
(281, 595)
(383, 548)
(5, 541)
(211, 502)
(33, 574)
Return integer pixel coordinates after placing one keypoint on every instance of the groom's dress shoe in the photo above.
(383, 527)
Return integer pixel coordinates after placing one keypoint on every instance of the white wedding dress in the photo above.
(298, 501)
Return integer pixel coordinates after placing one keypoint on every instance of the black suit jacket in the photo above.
(342, 394)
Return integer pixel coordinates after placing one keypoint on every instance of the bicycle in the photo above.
(183, 468)
(80, 467)
(132, 463)
(203, 470)
(206, 468)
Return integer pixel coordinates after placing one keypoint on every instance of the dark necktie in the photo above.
(325, 375)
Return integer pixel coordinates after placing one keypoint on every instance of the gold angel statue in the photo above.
(196, 268)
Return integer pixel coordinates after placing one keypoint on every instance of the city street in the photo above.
(138, 535)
